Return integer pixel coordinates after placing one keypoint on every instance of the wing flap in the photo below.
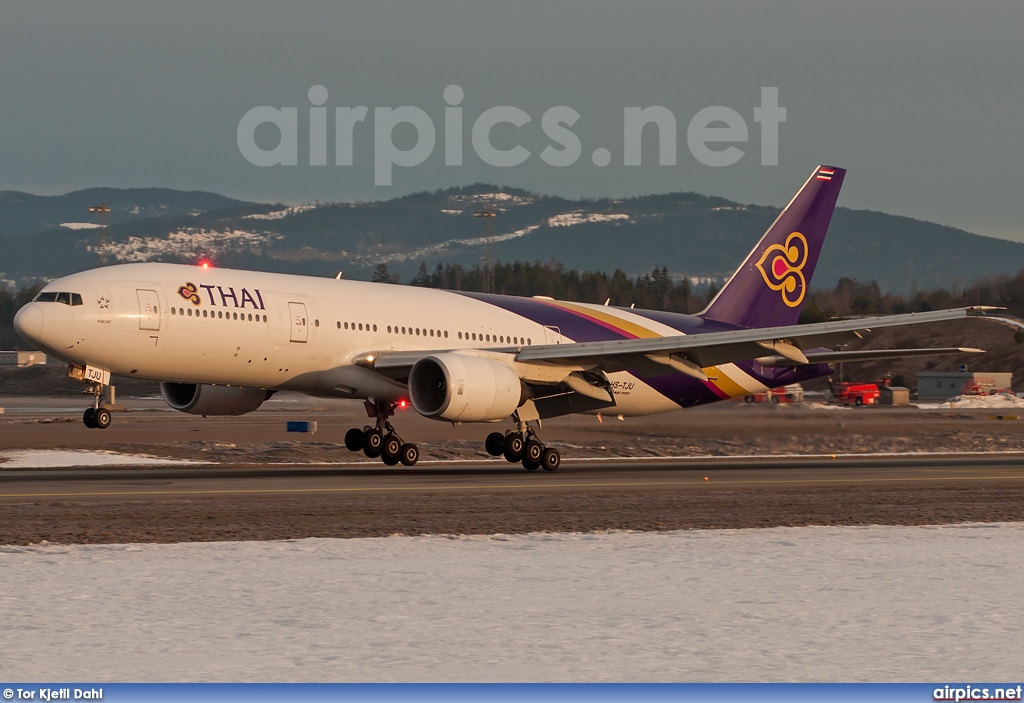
(828, 357)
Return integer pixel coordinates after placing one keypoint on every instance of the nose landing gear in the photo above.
(523, 445)
(96, 417)
(382, 441)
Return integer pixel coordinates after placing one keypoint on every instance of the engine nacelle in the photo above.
(198, 399)
(462, 388)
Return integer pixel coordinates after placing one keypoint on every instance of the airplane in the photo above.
(222, 341)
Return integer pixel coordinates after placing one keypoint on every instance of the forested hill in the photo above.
(690, 235)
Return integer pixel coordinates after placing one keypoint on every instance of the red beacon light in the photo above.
(402, 403)
(205, 264)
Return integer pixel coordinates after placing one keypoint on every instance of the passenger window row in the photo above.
(221, 315)
(423, 332)
(362, 327)
(53, 297)
(499, 338)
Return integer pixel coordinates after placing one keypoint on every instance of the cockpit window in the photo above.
(59, 297)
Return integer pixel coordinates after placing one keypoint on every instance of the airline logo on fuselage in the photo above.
(785, 268)
(223, 297)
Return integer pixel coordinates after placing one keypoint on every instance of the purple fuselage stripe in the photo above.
(680, 389)
(571, 325)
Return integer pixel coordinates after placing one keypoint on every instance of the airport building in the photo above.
(933, 385)
(22, 358)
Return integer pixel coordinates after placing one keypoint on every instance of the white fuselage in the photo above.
(170, 322)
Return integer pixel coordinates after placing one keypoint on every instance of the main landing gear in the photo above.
(382, 441)
(96, 417)
(522, 445)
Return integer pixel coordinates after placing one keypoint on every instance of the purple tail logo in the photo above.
(785, 268)
(770, 286)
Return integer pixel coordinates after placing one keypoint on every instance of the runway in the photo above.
(734, 473)
(733, 466)
(208, 503)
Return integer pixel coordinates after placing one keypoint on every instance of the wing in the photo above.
(771, 346)
(689, 354)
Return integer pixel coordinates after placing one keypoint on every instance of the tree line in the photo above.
(661, 291)
(655, 290)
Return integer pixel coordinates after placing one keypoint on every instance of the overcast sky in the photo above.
(921, 101)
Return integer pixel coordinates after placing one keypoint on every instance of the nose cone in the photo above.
(29, 323)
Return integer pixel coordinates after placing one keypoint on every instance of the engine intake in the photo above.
(198, 399)
(458, 387)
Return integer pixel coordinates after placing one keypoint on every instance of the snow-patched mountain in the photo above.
(689, 234)
(24, 213)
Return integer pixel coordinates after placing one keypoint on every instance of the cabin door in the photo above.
(299, 324)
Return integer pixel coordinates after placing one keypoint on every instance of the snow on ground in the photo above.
(1000, 400)
(62, 458)
(808, 604)
(80, 225)
(449, 244)
(504, 198)
(280, 214)
(185, 243)
(813, 405)
(578, 217)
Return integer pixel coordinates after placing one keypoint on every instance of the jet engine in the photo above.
(198, 399)
(462, 388)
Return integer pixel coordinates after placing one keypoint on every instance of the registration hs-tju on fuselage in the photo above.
(221, 341)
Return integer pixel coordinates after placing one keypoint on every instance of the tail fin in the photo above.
(768, 289)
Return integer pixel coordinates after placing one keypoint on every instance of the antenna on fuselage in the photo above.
(338, 277)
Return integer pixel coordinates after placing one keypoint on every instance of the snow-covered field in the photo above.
(809, 603)
(63, 458)
(1000, 400)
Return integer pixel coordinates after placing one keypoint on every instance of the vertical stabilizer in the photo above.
(768, 289)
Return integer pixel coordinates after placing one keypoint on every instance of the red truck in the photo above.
(793, 393)
(856, 393)
(983, 386)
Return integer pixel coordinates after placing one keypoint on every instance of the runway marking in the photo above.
(682, 457)
(686, 458)
(405, 489)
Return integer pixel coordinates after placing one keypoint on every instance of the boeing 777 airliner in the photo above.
(221, 341)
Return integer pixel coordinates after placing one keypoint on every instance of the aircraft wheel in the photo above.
(530, 465)
(495, 443)
(88, 418)
(354, 440)
(551, 460)
(101, 418)
(533, 452)
(410, 454)
(391, 450)
(373, 443)
(513, 447)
